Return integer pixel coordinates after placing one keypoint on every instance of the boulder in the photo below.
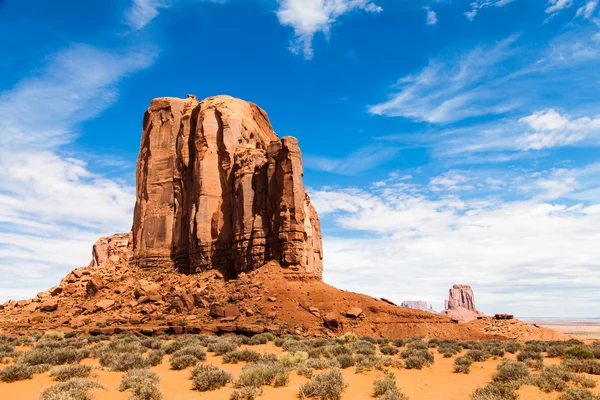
(331, 320)
(94, 285)
(104, 305)
(223, 190)
(49, 305)
(55, 291)
(353, 312)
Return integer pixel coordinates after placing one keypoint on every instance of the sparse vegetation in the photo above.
(387, 389)
(73, 389)
(262, 374)
(142, 383)
(209, 377)
(16, 372)
(324, 386)
(65, 372)
(462, 364)
(245, 393)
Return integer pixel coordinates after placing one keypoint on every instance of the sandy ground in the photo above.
(434, 383)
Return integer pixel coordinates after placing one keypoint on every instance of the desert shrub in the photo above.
(245, 393)
(234, 357)
(288, 359)
(319, 363)
(73, 389)
(65, 372)
(433, 342)
(222, 346)
(152, 343)
(462, 365)
(512, 347)
(295, 345)
(529, 355)
(182, 362)
(347, 338)
(418, 345)
(388, 350)
(6, 350)
(398, 342)
(305, 371)
(535, 364)
(583, 366)
(497, 351)
(552, 378)
(579, 352)
(52, 356)
(122, 361)
(556, 351)
(477, 355)
(192, 350)
(578, 394)
(335, 350)
(510, 371)
(324, 386)
(184, 341)
(363, 347)
(209, 377)
(261, 338)
(386, 388)
(448, 350)
(536, 346)
(345, 361)
(143, 384)
(368, 338)
(320, 342)
(155, 357)
(278, 342)
(262, 374)
(417, 359)
(584, 381)
(495, 391)
(16, 372)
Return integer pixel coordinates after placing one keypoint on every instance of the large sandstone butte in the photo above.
(461, 304)
(224, 240)
(216, 188)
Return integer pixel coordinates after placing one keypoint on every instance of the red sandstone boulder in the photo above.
(354, 312)
(49, 305)
(94, 285)
(104, 305)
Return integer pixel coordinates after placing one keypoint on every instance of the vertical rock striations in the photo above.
(216, 188)
(461, 304)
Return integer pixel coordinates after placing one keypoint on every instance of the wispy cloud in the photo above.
(558, 5)
(142, 12)
(359, 161)
(431, 17)
(418, 241)
(478, 5)
(309, 17)
(587, 11)
(470, 84)
(52, 206)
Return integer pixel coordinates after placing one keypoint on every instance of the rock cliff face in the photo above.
(217, 189)
(461, 304)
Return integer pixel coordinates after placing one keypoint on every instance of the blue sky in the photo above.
(444, 141)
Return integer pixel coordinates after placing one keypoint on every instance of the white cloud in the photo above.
(558, 5)
(52, 206)
(309, 17)
(431, 18)
(586, 11)
(467, 85)
(524, 256)
(478, 5)
(548, 129)
(142, 12)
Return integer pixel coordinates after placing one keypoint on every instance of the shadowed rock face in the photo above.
(217, 189)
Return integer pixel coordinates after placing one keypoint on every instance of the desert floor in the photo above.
(436, 382)
(588, 328)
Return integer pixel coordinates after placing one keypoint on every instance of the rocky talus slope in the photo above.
(224, 239)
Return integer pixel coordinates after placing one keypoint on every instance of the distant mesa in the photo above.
(418, 305)
(461, 304)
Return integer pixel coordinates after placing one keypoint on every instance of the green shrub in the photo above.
(388, 350)
(462, 365)
(234, 357)
(184, 341)
(495, 391)
(16, 372)
(152, 343)
(578, 351)
(512, 347)
(477, 355)
(363, 347)
(182, 362)
(536, 346)
(262, 374)
(556, 351)
(143, 384)
(209, 377)
(582, 366)
(245, 393)
(222, 346)
(418, 345)
(73, 389)
(497, 351)
(319, 363)
(368, 338)
(288, 359)
(510, 371)
(347, 338)
(261, 338)
(324, 386)
(345, 361)
(386, 388)
(65, 372)
(155, 357)
(398, 342)
(337, 349)
(529, 355)
(417, 359)
(293, 346)
(578, 394)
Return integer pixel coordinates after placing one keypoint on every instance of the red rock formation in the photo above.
(417, 305)
(216, 188)
(461, 304)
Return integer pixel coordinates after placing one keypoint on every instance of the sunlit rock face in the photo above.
(217, 189)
